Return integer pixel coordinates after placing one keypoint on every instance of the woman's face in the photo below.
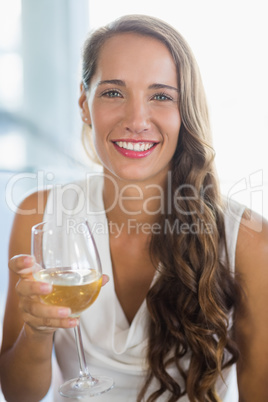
(133, 107)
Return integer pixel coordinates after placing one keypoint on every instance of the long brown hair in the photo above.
(190, 303)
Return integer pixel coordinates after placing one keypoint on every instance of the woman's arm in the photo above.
(251, 320)
(25, 360)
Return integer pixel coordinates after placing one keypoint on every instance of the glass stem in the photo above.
(81, 353)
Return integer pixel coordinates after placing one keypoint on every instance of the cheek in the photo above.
(100, 134)
(98, 143)
(168, 114)
(99, 149)
(172, 126)
(96, 119)
(174, 116)
(172, 132)
(104, 119)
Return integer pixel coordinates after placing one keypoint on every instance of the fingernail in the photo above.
(73, 322)
(45, 287)
(64, 312)
(28, 260)
(105, 278)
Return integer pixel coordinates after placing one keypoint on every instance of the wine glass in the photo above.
(67, 257)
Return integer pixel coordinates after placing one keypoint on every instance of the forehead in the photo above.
(137, 53)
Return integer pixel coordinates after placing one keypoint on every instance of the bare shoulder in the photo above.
(252, 245)
(251, 324)
(252, 261)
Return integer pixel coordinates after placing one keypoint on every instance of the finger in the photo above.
(39, 309)
(49, 324)
(29, 287)
(44, 317)
(21, 264)
(105, 279)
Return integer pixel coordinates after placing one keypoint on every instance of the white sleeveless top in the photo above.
(113, 347)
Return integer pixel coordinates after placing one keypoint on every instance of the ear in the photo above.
(82, 102)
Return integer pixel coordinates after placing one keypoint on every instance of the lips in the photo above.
(132, 149)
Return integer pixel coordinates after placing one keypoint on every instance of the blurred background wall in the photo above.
(40, 48)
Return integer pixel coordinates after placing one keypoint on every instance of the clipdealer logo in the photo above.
(249, 189)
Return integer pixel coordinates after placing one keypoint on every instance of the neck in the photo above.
(141, 201)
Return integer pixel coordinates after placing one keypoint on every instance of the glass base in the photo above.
(82, 387)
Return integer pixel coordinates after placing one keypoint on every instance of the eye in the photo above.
(162, 97)
(112, 93)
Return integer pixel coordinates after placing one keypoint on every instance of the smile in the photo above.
(135, 150)
(135, 146)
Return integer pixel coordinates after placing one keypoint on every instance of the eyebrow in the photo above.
(123, 84)
(161, 86)
(113, 82)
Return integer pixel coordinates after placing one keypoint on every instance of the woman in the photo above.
(174, 318)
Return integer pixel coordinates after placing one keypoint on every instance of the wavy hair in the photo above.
(195, 291)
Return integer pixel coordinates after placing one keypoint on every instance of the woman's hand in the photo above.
(35, 313)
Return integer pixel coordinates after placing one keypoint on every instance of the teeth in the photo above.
(136, 146)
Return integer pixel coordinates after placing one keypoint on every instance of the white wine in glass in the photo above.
(67, 258)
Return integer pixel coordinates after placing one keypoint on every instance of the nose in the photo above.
(137, 116)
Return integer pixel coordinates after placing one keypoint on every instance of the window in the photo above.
(11, 68)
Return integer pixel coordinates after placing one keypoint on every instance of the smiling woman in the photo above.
(187, 268)
(137, 92)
